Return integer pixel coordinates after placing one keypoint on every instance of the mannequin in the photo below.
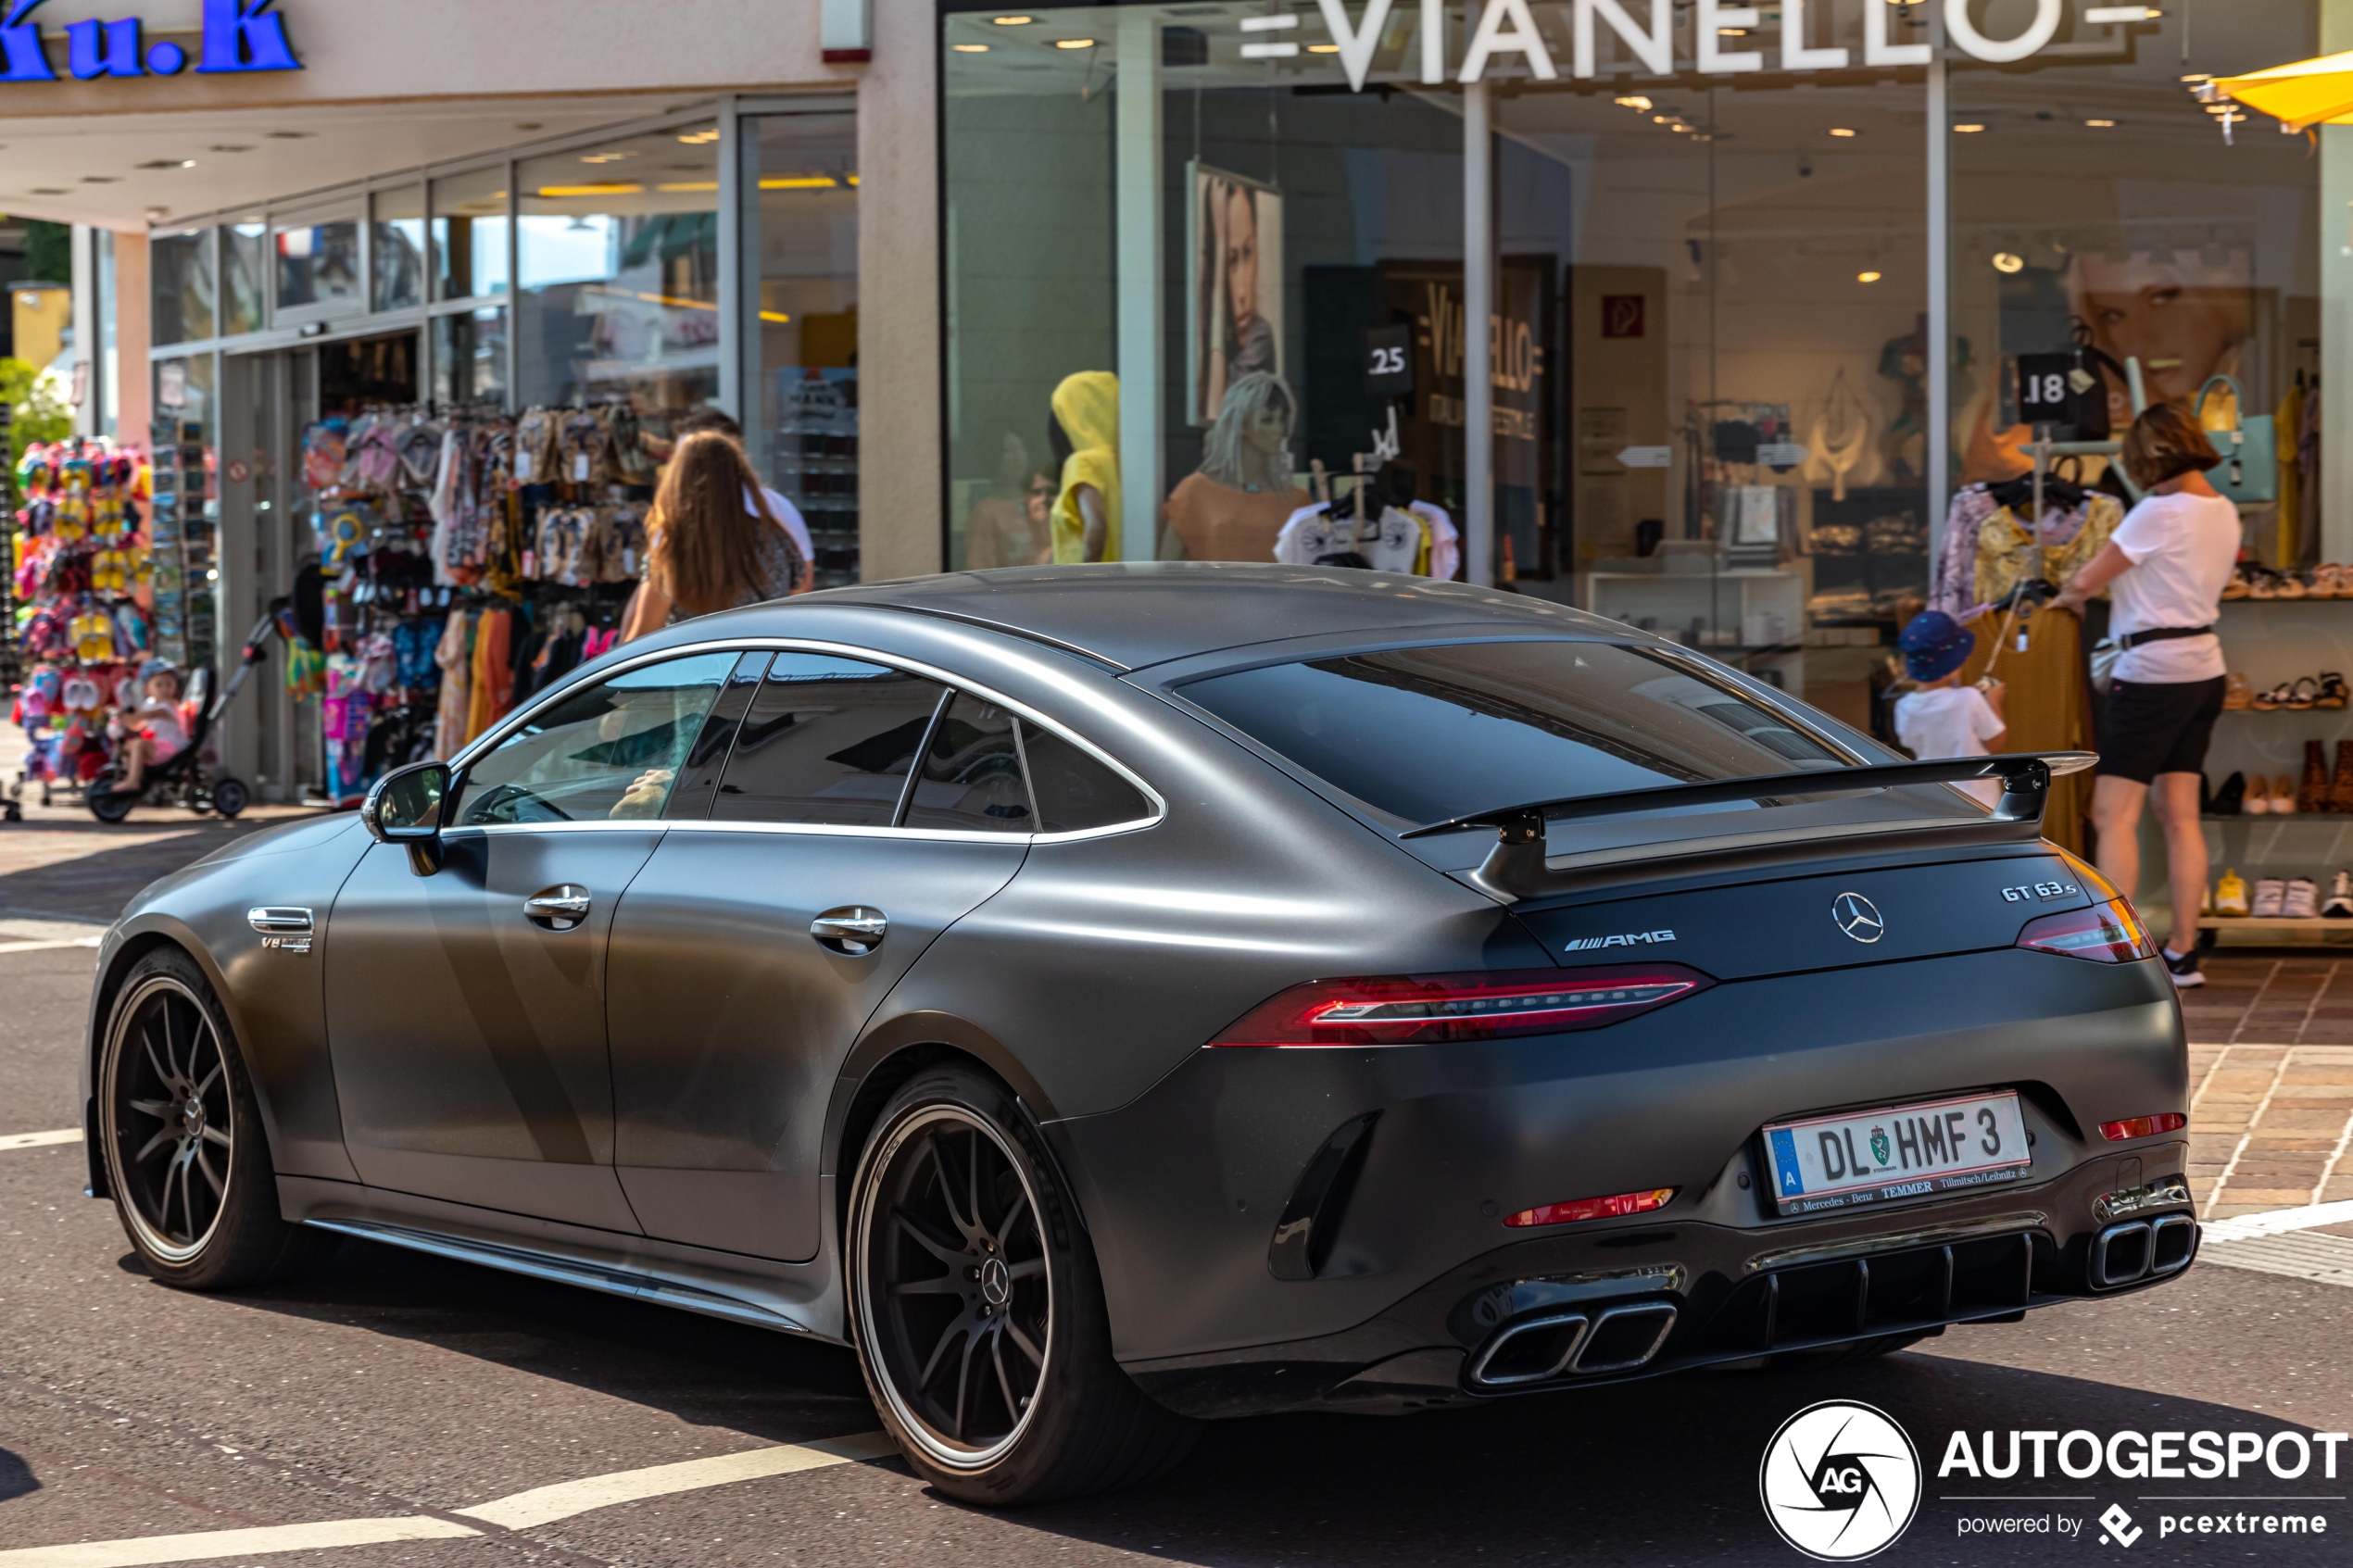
(1084, 435)
(1011, 525)
(1234, 506)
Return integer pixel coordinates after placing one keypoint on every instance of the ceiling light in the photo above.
(1841, 131)
(1661, 119)
(2198, 76)
(970, 48)
(47, 191)
(99, 179)
(1731, 32)
(290, 135)
(1969, 130)
(1866, 277)
(2100, 124)
(1634, 101)
(168, 163)
(1074, 43)
(1322, 48)
(2005, 261)
(1012, 21)
(528, 124)
(228, 149)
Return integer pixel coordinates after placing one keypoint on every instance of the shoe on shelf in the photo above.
(2184, 969)
(2271, 896)
(2340, 902)
(2230, 799)
(2274, 699)
(2303, 900)
(2230, 896)
(2283, 796)
(2264, 582)
(2304, 694)
(2341, 785)
(2335, 692)
(2259, 798)
(2238, 587)
(2339, 579)
(2291, 587)
(2313, 794)
(2237, 692)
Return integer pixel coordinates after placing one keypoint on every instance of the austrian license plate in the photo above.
(1829, 1163)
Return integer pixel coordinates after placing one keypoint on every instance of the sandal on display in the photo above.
(2304, 694)
(2283, 796)
(2230, 896)
(2291, 587)
(2335, 692)
(2238, 692)
(2326, 583)
(2273, 700)
(2237, 587)
(2265, 584)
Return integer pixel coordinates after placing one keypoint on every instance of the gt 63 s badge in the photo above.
(1841, 1480)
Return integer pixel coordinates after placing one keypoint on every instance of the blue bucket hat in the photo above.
(1934, 645)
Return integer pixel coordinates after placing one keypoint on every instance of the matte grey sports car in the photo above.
(1112, 996)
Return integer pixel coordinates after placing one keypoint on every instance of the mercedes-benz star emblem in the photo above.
(1859, 916)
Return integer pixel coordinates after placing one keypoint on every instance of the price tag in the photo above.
(580, 468)
(523, 468)
(1646, 457)
(1388, 361)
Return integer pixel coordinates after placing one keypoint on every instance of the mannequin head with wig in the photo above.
(1248, 449)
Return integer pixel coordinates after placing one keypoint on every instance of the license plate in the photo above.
(1829, 1163)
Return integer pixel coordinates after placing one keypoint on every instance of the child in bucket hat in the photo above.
(1940, 717)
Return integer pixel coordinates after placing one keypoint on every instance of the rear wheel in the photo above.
(106, 803)
(230, 796)
(181, 1134)
(978, 1313)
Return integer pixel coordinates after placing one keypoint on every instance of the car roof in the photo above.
(1132, 614)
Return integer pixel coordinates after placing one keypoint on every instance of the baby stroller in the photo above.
(182, 779)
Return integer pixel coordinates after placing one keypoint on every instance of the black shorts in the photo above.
(2150, 729)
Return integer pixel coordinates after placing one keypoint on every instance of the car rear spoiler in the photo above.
(1516, 868)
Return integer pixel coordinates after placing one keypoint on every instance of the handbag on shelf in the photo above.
(2250, 467)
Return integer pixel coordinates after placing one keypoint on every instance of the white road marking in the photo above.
(2278, 1222)
(45, 947)
(541, 1505)
(2325, 1260)
(208, 1544)
(38, 1140)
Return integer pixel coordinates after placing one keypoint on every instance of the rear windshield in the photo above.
(1429, 733)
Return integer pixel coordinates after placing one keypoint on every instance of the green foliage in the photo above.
(42, 414)
(48, 252)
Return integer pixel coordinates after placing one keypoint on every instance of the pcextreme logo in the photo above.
(1841, 1480)
(239, 36)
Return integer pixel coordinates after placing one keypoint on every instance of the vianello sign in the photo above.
(240, 36)
(1505, 32)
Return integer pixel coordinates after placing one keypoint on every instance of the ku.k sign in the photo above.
(239, 36)
(1506, 31)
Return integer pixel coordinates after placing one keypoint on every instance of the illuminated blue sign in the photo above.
(239, 36)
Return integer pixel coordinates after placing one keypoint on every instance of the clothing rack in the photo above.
(2042, 448)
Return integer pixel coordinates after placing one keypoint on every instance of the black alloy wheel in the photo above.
(978, 1314)
(181, 1134)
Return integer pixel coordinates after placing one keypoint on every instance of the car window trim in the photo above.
(490, 739)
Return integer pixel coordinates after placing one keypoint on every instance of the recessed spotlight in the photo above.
(99, 179)
(1322, 48)
(1842, 131)
(1731, 32)
(528, 124)
(1633, 101)
(1012, 21)
(2100, 124)
(229, 148)
(2005, 261)
(168, 163)
(1971, 129)
(2196, 76)
(1662, 119)
(970, 48)
(1866, 277)
(291, 135)
(1074, 43)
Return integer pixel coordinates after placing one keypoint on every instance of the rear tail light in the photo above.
(2144, 1126)
(1592, 1208)
(2110, 932)
(1428, 1009)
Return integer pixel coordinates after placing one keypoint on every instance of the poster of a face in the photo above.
(1233, 284)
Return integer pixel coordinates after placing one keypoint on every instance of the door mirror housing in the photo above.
(405, 807)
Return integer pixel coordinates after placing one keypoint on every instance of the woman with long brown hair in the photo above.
(713, 541)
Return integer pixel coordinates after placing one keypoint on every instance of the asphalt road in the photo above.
(384, 1385)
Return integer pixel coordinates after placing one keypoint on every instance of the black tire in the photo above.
(110, 806)
(954, 1179)
(230, 796)
(181, 1134)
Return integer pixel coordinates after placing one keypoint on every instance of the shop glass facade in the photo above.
(1758, 303)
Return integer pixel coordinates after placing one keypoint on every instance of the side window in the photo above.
(707, 759)
(612, 751)
(972, 776)
(1074, 790)
(827, 740)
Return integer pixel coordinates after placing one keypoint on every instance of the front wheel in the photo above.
(106, 803)
(978, 1313)
(230, 796)
(182, 1134)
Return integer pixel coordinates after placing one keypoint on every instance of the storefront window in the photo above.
(180, 268)
(399, 248)
(617, 273)
(318, 263)
(244, 258)
(469, 358)
(803, 252)
(470, 234)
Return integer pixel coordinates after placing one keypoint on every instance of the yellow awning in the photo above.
(2316, 92)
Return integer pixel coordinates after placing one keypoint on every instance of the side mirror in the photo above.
(405, 808)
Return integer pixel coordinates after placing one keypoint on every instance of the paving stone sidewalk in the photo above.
(2271, 1076)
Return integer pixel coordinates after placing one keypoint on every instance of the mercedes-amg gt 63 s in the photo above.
(1113, 996)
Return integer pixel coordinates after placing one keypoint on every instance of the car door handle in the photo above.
(853, 929)
(557, 908)
(280, 921)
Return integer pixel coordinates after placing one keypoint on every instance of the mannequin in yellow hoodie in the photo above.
(1085, 435)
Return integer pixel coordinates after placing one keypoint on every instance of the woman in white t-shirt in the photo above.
(2165, 569)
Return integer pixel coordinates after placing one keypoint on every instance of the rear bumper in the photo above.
(1183, 1188)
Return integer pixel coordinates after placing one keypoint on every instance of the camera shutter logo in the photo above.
(1841, 1480)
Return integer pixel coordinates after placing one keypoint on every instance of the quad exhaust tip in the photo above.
(1573, 1343)
(2140, 1250)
